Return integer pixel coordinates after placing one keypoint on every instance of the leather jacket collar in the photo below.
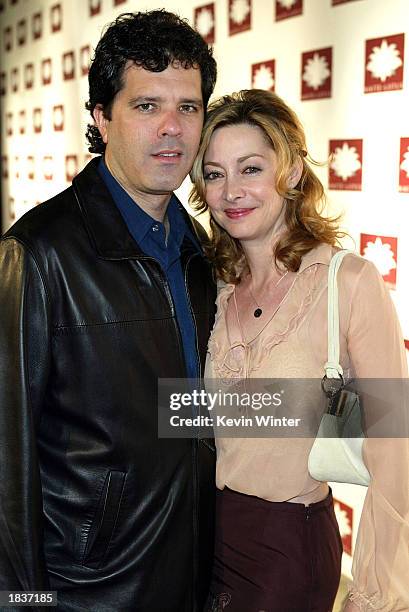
(105, 225)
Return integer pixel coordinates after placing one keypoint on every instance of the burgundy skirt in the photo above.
(274, 556)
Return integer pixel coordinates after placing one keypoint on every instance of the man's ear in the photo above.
(295, 174)
(101, 122)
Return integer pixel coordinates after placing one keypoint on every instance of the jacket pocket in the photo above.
(104, 521)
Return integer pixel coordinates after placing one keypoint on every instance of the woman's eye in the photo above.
(211, 176)
(251, 170)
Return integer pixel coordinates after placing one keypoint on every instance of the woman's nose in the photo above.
(232, 190)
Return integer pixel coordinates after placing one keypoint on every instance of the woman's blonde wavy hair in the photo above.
(306, 227)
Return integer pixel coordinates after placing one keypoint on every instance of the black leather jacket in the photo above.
(92, 503)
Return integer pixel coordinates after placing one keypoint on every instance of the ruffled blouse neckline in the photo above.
(228, 359)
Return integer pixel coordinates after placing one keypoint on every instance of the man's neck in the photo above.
(154, 204)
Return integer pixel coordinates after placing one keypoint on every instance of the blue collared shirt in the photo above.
(150, 235)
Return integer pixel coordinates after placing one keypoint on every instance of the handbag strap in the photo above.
(333, 368)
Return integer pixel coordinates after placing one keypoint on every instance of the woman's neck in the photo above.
(261, 262)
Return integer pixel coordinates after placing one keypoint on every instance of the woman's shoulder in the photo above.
(356, 270)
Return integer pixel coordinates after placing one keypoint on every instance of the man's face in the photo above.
(154, 131)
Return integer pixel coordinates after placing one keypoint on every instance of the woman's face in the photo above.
(240, 181)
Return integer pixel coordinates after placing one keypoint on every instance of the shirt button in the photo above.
(155, 228)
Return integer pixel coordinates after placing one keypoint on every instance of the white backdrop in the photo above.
(342, 64)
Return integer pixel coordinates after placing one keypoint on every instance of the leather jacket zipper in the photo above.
(195, 442)
(198, 360)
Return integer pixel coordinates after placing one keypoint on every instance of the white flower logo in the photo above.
(343, 520)
(58, 115)
(381, 255)
(287, 4)
(263, 78)
(204, 22)
(384, 61)
(48, 166)
(71, 165)
(316, 71)
(405, 164)
(239, 10)
(345, 161)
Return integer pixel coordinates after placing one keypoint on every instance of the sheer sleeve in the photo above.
(376, 349)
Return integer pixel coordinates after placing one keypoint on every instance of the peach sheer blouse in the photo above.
(294, 345)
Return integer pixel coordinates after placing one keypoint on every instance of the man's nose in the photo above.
(170, 124)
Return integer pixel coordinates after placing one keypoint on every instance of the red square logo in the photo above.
(68, 65)
(37, 25)
(46, 71)
(58, 118)
(3, 81)
(30, 168)
(204, 20)
(12, 209)
(16, 167)
(288, 8)
(384, 63)
(14, 80)
(94, 7)
(316, 74)
(48, 169)
(263, 75)
(29, 76)
(21, 32)
(345, 517)
(345, 168)
(406, 344)
(56, 17)
(4, 167)
(404, 165)
(37, 120)
(71, 167)
(85, 58)
(9, 124)
(8, 38)
(22, 122)
(383, 252)
(239, 16)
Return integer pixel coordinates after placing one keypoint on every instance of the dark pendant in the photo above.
(258, 312)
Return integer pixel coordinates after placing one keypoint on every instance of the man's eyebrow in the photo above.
(143, 100)
(146, 99)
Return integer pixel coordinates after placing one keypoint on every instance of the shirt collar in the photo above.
(134, 215)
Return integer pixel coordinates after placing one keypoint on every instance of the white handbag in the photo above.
(336, 455)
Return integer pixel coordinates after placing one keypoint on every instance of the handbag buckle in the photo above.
(332, 386)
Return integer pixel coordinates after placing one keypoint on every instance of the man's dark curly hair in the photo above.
(152, 40)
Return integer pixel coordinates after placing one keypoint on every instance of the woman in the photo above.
(277, 546)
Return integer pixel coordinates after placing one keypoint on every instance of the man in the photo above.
(104, 289)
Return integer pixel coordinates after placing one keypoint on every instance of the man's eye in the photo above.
(188, 108)
(145, 106)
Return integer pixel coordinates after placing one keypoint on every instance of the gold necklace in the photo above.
(259, 311)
